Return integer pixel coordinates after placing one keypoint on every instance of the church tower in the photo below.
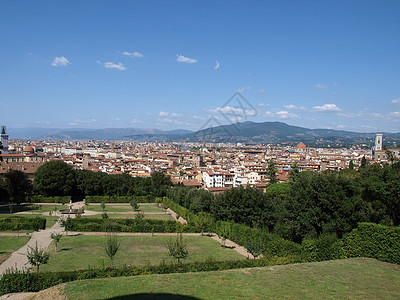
(4, 140)
(378, 142)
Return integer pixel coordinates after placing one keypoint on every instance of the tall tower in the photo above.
(4, 140)
(378, 142)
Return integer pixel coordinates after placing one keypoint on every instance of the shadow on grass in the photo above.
(65, 249)
(155, 296)
(4, 208)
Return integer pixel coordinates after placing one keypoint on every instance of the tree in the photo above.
(295, 170)
(56, 237)
(177, 248)
(351, 165)
(363, 163)
(111, 246)
(17, 184)
(203, 221)
(37, 256)
(134, 204)
(55, 178)
(271, 172)
(255, 244)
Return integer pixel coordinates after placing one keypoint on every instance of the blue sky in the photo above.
(174, 64)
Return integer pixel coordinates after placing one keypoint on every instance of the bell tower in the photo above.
(378, 142)
(4, 140)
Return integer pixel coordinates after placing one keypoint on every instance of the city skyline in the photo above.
(174, 65)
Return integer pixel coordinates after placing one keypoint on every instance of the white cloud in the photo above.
(286, 115)
(165, 120)
(395, 114)
(294, 107)
(79, 122)
(261, 91)
(235, 111)
(260, 104)
(175, 115)
(60, 61)
(134, 121)
(321, 86)
(111, 65)
(115, 119)
(269, 114)
(327, 108)
(184, 59)
(163, 113)
(132, 54)
(340, 126)
(281, 115)
(217, 65)
(395, 101)
(243, 89)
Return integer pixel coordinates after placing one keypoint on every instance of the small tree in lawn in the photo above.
(177, 248)
(134, 204)
(139, 215)
(56, 237)
(11, 207)
(111, 246)
(103, 205)
(37, 256)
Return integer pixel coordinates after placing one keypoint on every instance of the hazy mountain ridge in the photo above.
(247, 132)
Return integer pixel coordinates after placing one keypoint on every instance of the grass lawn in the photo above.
(123, 208)
(163, 216)
(50, 220)
(79, 252)
(9, 244)
(341, 279)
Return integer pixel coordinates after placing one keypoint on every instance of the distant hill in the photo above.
(86, 134)
(245, 132)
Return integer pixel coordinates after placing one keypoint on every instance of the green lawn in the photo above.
(341, 279)
(123, 208)
(79, 252)
(9, 244)
(162, 216)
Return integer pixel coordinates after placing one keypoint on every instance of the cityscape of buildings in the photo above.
(214, 167)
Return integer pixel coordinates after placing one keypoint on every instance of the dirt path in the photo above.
(18, 258)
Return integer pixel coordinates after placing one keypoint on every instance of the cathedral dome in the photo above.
(29, 149)
(301, 146)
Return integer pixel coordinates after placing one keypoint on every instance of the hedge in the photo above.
(22, 223)
(44, 199)
(371, 240)
(274, 245)
(126, 225)
(122, 199)
(18, 281)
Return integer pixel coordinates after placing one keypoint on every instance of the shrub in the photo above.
(370, 240)
(22, 223)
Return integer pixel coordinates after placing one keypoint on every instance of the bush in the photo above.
(44, 199)
(22, 223)
(319, 249)
(121, 199)
(370, 240)
(128, 225)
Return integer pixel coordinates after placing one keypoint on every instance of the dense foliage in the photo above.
(311, 205)
(22, 223)
(126, 225)
(56, 178)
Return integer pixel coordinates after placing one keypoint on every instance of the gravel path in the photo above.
(18, 258)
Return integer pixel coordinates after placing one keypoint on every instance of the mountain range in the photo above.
(245, 132)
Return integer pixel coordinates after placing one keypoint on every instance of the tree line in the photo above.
(56, 178)
(310, 205)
